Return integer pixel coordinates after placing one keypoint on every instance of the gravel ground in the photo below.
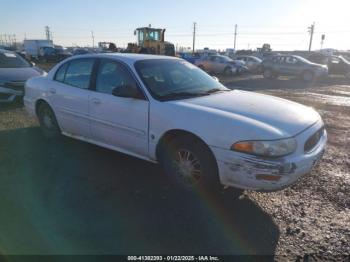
(312, 217)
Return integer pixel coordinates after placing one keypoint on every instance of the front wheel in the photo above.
(190, 165)
(347, 75)
(48, 122)
(268, 74)
(228, 71)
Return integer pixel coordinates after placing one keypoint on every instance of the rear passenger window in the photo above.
(78, 73)
(61, 73)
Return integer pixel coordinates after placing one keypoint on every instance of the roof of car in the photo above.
(126, 56)
(5, 51)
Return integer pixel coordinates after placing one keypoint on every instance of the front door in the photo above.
(121, 122)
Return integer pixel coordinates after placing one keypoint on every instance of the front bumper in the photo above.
(256, 173)
(8, 95)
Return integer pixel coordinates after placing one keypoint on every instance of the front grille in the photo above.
(15, 85)
(313, 140)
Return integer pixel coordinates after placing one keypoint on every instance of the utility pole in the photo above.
(93, 39)
(194, 36)
(234, 46)
(311, 32)
(47, 33)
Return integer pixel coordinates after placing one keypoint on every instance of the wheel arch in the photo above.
(173, 134)
(39, 102)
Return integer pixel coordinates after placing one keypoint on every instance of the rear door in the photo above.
(121, 122)
(289, 65)
(69, 96)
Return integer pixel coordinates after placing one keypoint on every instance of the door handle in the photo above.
(52, 90)
(96, 101)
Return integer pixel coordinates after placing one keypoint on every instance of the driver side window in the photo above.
(111, 75)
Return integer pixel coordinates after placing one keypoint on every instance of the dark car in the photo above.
(51, 54)
(14, 72)
(339, 65)
(189, 57)
(81, 51)
(292, 65)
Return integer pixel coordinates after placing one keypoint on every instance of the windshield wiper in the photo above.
(180, 95)
(215, 90)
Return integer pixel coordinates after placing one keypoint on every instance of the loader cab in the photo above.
(145, 34)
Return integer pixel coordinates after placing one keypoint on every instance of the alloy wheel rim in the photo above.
(187, 166)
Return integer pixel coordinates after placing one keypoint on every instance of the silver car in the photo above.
(252, 63)
(218, 64)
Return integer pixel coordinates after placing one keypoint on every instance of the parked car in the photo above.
(292, 65)
(251, 62)
(166, 110)
(219, 64)
(81, 51)
(339, 65)
(14, 71)
(189, 57)
(53, 55)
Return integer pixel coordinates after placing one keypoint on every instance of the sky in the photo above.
(281, 23)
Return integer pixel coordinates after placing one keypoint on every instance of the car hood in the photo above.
(18, 74)
(284, 117)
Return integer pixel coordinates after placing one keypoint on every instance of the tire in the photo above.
(190, 165)
(308, 76)
(268, 74)
(228, 71)
(48, 122)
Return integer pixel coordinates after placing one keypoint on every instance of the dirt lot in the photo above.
(70, 197)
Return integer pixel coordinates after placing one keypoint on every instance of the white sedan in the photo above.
(166, 110)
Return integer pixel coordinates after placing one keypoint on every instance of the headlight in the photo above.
(274, 148)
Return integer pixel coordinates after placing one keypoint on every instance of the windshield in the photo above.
(12, 60)
(344, 59)
(176, 79)
(226, 59)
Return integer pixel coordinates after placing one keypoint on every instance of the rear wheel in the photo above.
(190, 165)
(308, 76)
(47, 121)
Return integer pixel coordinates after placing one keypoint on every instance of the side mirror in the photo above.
(32, 63)
(127, 91)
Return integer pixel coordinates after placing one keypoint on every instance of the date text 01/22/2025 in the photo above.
(173, 258)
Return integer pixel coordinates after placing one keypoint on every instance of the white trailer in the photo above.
(33, 47)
